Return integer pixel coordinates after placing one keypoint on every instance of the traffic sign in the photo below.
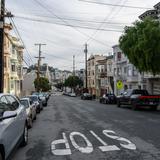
(119, 84)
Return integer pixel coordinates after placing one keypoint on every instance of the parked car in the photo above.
(87, 96)
(72, 94)
(13, 125)
(30, 109)
(43, 98)
(37, 102)
(108, 99)
(47, 95)
(138, 98)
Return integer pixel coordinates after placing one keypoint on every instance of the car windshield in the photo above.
(142, 92)
(25, 103)
(34, 98)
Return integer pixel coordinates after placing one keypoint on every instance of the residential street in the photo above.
(92, 131)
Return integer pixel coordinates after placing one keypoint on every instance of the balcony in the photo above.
(102, 74)
(132, 79)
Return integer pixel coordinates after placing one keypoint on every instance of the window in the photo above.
(13, 67)
(12, 84)
(119, 56)
(125, 70)
(4, 106)
(115, 71)
(3, 100)
(5, 61)
(13, 102)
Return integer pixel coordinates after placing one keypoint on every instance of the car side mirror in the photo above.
(8, 114)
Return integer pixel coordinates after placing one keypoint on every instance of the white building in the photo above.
(125, 72)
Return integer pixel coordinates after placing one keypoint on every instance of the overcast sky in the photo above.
(40, 21)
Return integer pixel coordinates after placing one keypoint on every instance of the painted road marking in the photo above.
(128, 145)
(87, 149)
(105, 146)
(66, 151)
(125, 143)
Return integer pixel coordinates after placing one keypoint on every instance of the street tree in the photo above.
(73, 81)
(141, 44)
(42, 84)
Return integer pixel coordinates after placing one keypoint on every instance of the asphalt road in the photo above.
(73, 129)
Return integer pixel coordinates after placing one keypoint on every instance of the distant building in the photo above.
(91, 73)
(104, 76)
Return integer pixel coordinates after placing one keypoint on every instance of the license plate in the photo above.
(150, 102)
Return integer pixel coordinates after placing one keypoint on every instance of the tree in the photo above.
(141, 44)
(73, 81)
(42, 84)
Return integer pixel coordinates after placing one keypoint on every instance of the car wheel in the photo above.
(25, 136)
(1, 158)
(30, 124)
(118, 104)
(134, 106)
(154, 108)
(35, 117)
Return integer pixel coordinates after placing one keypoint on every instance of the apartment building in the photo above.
(125, 72)
(13, 63)
(104, 76)
(93, 86)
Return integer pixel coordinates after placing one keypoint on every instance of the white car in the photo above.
(30, 109)
(13, 125)
(72, 94)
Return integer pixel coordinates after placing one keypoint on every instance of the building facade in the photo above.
(13, 63)
(92, 62)
(125, 72)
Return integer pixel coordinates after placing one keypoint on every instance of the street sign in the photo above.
(119, 84)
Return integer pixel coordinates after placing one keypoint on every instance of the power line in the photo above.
(86, 35)
(21, 38)
(69, 25)
(99, 27)
(116, 5)
(73, 19)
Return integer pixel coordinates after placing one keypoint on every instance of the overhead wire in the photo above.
(116, 5)
(107, 18)
(21, 38)
(83, 27)
(99, 27)
(18, 34)
(86, 35)
(4, 9)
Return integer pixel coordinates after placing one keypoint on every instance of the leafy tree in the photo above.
(73, 81)
(141, 44)
(42, 84)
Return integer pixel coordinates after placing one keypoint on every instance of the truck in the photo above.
(138, 98)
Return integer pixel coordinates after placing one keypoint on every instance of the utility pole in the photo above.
(86, 51)
(73, 65)
(39, 62)
(2, 12)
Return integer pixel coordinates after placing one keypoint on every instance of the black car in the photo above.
(87, 96)
(108, 99)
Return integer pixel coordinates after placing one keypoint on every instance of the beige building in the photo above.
(13, 63)
(7, 55)
(104, 76)
(92, 62)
